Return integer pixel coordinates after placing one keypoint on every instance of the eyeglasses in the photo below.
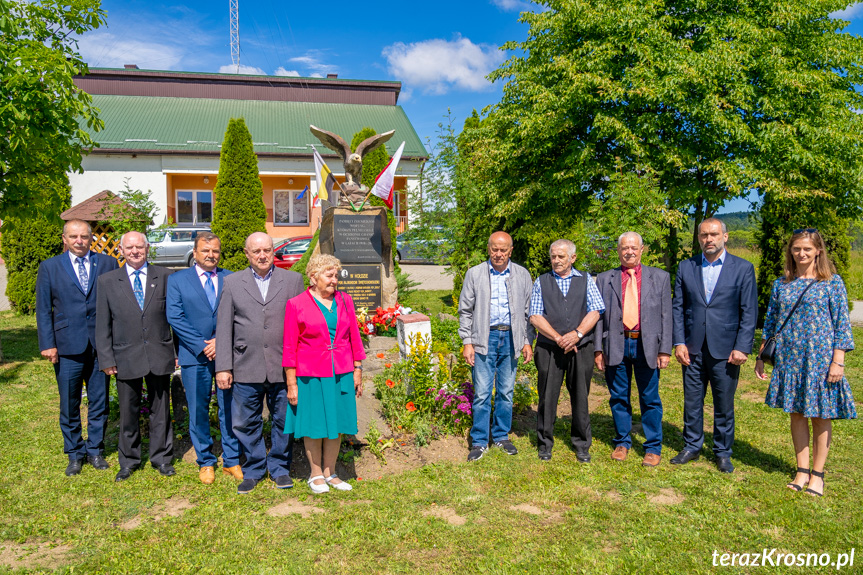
(807, 230)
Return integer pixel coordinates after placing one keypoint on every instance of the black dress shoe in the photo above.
(582, 455)
(98, 462)
(247, 486)
(124, 474)
(283, 481)
(74, 467)
(685, 456)
(724, 464)
(545, 455)
(165, 469)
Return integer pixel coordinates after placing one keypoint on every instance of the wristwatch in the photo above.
(579, 334)
(358, 367)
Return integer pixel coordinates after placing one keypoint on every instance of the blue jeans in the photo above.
(247, 411)
(198, 383)
(619, 378)
(72, 371)
(495, 368)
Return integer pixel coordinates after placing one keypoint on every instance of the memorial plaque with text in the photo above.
(363, 283)
(357, 238)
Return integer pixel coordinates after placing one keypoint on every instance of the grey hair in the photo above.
(625, 234)
(713, 221)
(123, 237)
(562, 243)
(77, 222)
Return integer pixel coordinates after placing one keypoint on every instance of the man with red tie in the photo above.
(634, 336)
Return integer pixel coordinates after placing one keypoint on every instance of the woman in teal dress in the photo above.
(322, 358)
(808, 379)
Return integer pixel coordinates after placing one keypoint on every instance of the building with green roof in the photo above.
(163, 132)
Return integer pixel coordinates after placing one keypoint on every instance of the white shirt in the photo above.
(202, 275)
(130, 270)
(74, 259)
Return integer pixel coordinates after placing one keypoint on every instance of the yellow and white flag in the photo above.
(326, 180)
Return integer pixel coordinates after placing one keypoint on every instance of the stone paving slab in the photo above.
(857, 313)
(429, 276)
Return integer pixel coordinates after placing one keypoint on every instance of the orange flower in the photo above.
(380, 356)
(410, 406)
(390, 383)
(388, 365)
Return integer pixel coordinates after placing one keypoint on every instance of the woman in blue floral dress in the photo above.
(808, 379)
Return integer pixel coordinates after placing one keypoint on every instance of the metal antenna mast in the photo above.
(234, 6)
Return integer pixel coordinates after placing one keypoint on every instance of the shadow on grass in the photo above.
(20, 344)
(602, 428)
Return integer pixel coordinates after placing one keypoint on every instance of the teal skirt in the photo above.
(326, 407)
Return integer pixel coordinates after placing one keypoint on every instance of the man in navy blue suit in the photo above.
(715, 308)
(66, 326)
(193, 299)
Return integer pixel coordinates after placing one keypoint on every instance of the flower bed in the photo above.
(381, 322)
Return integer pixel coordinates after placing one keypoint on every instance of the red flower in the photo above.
(390, 383)
(410, 406)
(388, 365)
(380, 356)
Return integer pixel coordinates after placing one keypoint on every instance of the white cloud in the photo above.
(512, 5)
(849, 13)
(104, 49)
(280, 71)
(311, 62)
(438, 65)
(241, 69)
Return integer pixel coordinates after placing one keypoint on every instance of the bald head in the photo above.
(499, 250)
(500, 237)
(134, 247)
(259, 252)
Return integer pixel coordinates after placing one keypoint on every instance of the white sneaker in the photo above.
(343, 486)
(324, 488)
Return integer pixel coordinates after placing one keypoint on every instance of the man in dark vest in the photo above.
(564, 308)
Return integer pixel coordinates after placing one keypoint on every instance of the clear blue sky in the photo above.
(441, 51)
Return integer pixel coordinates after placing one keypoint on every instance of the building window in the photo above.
(194, 207)
(289, 208)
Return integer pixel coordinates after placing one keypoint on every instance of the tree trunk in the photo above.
(699, 217)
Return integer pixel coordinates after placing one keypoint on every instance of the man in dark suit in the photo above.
(193, 299)
(134, 343)
(635, 336)
(715, 309)
(66, 324)
(249, 341)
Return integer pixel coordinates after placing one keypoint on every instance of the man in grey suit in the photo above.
(250, 330)
(134, 343)
(635, 333)
(492, 310)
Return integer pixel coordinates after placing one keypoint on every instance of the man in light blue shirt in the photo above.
(493, 328)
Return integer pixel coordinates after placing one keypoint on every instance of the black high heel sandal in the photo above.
(812, 491)
(793, 486)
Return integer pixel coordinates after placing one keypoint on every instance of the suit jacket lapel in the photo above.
(66, 264)
(221, 274)
(252, 287)
(724, 271)
(699, 278)
(94, 261)
(153, 278)
(615, 281)
(126, 286)
(195, 280)
(275, 287)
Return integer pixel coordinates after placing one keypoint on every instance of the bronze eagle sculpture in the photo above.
(353, 161)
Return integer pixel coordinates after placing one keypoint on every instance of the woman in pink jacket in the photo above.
(322, 358)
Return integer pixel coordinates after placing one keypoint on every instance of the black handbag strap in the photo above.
(793, 309)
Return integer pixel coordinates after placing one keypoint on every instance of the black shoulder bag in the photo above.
(768, 352)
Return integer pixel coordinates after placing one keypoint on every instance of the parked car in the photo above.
(289, 251)
(173, 246)
(419, 247)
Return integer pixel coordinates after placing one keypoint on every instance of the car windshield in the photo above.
(155, 236)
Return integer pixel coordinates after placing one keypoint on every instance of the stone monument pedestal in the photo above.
(362, 242)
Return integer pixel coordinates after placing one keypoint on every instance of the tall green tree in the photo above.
(715, 99)
(239, 204)
(43, 113)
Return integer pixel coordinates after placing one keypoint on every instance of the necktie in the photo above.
(138, 289)
(210, 289)
(82, 274)
(630, 302)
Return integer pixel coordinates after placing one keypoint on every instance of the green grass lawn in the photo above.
(498, 515)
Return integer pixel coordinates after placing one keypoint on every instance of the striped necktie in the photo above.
(82, 274)
(210, 289)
